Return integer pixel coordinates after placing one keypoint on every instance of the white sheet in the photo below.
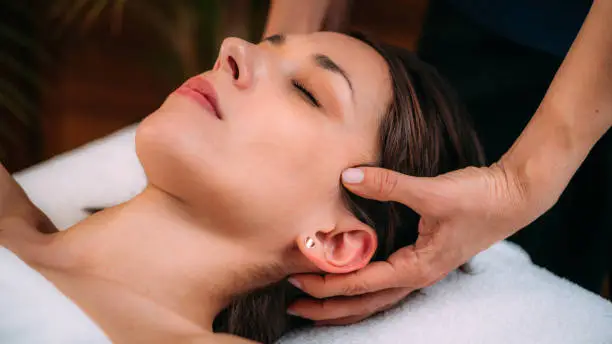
(507, 300)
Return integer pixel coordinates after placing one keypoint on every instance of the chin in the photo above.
(151, 153)
(175, 158)
(158, 146)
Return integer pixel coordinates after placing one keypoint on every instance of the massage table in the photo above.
(505, 299)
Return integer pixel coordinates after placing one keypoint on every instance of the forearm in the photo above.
(574, 114)
(7, 192)
(16, 207)
(290, 16)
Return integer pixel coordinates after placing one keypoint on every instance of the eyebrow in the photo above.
(275, 39)
(321, 60)
(326, 63)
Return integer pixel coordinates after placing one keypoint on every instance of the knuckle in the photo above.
(358, 288)
(403, 263)
(423, 271)
(314, 288)
(386, 183)
(324, 306)
(430, 276)
(316, 292)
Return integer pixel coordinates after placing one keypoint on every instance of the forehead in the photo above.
(366, 69)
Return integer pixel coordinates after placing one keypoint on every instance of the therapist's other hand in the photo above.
(462, 213)
(303, 17)
(17, 212)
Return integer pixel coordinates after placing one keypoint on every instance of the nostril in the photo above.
(234, 66)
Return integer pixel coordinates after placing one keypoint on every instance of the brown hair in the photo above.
(425, 132)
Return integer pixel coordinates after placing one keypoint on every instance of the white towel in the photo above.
(505, 300)
(104, 172)
(33, 311)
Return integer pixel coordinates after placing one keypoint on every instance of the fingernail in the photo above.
(352, 176)
(295, 282)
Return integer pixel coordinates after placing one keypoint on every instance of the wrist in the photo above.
(292, 17)
(16, 206)
(543, 160)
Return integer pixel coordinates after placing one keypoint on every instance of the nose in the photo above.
(238, 58)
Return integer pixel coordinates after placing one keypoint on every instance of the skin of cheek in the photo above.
(292, 157)
(291, 167)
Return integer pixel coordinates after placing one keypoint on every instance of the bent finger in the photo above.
(336, 308)
(342, 321)
(352, 319)
(426, 262)
(374, 277)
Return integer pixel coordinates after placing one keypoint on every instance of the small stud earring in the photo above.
(310, 243)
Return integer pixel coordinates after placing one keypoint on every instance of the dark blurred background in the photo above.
(75, 70)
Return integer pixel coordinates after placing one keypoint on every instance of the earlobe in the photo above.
(341, 250)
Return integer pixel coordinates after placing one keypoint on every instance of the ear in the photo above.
(346, 248)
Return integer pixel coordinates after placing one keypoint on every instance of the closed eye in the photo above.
(306, 94)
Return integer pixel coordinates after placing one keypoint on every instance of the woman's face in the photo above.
(260, 141)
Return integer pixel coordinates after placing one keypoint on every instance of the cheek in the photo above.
(170, 146)
(286, 143)
(281, 161)
(286, 159)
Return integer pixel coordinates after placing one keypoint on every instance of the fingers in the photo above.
(410, 267)
(386, 185)
(345, 310)
(353, 319)
(342, 321)
(374, 277)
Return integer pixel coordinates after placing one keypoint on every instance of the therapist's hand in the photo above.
(462, 213)
(303, 17)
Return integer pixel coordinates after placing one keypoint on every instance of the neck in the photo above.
(153, 246)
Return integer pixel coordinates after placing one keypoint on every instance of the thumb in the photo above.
(387, 185)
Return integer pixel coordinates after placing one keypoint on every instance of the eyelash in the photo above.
(306, 93)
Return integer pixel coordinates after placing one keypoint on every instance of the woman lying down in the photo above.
(243, 165)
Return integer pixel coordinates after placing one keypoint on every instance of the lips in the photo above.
(203, 92)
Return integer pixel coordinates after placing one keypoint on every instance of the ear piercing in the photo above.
(310, 243)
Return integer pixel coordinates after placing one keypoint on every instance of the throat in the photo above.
(146, 260)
